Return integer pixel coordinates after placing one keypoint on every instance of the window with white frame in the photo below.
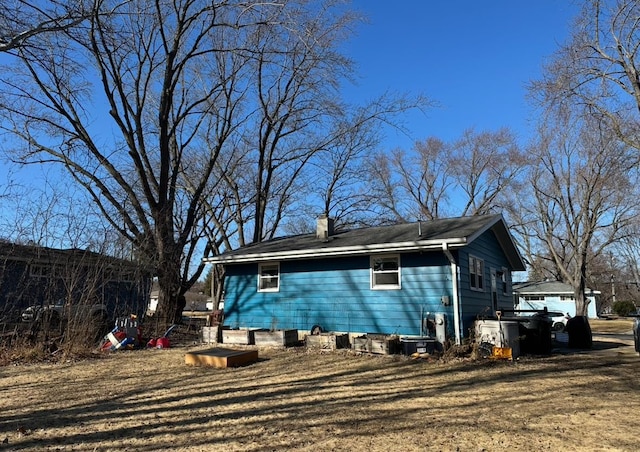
(269, 277)
(385, 272)
(476, 273)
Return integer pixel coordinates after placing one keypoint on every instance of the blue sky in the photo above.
(473, 57)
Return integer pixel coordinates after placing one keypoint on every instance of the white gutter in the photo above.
(337, 251)
(454, 288)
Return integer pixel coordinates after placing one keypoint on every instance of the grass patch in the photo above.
(614, 325)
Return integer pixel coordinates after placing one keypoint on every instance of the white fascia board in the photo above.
(338, 251)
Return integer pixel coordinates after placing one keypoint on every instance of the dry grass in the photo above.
(612, 325)
(149, 400)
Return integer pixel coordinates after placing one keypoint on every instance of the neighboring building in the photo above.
(36, 276)
(390, 279)
(556, 296)
(195, 301)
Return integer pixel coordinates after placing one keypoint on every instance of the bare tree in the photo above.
(582, 198)
(411, 185)
(22, 20)
(143, 105)
(470, 176)
(426, 176)
(591, 85)
(485, 166)
(598, 69)
(385, 189)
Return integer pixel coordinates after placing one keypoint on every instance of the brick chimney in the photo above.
(324, 228)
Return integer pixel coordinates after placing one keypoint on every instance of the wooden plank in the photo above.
(221, 357)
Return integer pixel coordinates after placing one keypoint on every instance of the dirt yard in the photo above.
(149, 400)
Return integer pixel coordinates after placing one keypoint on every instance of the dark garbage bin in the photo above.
(411, 345)
(535, 335)
(636, 333)
(579, 332)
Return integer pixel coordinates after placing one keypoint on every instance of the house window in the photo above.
(476, 273)
(385, 272)
(39, 271)
(501, 277)
(533, 298)
(269, 277)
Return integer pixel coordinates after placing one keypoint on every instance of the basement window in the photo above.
(269, 277)
(385, 272)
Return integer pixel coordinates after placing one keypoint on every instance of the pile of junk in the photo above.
(127, 335)
(530, 331)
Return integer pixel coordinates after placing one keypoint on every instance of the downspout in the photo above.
(454, 288)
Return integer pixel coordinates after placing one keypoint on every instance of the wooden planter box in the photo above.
(286, 338)
(221, 357)
(384, 346)
(211, 334)
(377, 343)
(327, 341)
(238, 337)
(360, 344)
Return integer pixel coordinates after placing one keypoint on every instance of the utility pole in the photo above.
(613, 290)
(613, 287)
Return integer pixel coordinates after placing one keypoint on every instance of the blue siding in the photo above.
(476, 303)
(335, 294)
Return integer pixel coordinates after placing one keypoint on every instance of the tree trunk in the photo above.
(579, 289)
(171, 300)
(582, 304)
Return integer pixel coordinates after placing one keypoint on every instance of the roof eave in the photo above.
(319, 253)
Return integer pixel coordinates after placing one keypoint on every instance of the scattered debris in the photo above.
(126, 334)
(161, 342)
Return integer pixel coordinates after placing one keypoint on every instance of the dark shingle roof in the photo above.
(425, 235)
(49, 256)
(544, 287)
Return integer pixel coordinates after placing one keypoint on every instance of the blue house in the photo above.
(399, 279)
(555, 296)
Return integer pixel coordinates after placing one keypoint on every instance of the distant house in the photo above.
(35, 276)
(195, 301)
(390, 279)
(556, 296)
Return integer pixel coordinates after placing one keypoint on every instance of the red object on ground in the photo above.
(119, 335)
(163, 342)
(152, 343)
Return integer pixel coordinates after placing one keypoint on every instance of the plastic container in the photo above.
(411, 345)
(500, 333)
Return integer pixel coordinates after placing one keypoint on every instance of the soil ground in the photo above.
(295, 399)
